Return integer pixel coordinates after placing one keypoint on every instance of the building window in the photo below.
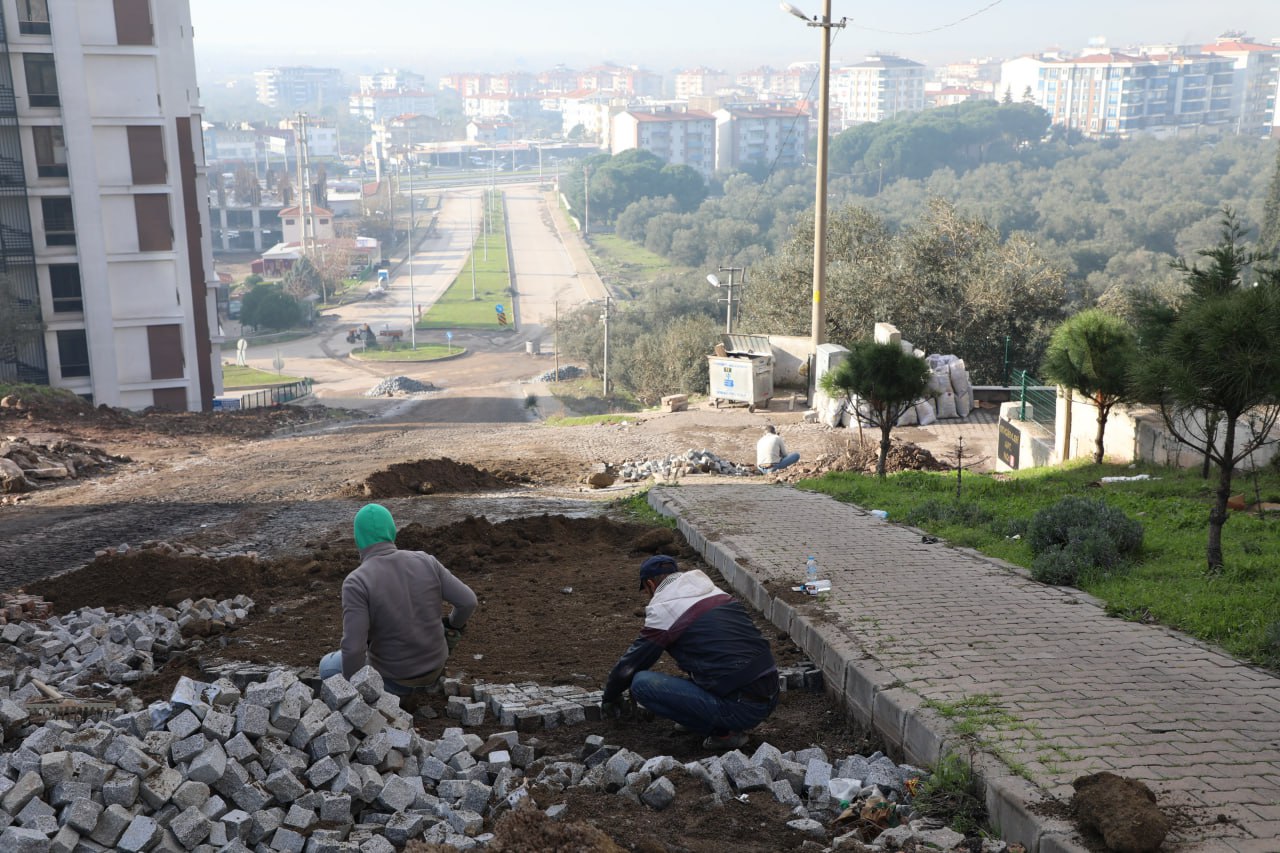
(42, 79)
(33, 17)
(155, 231)
(51, 152)
(59, 222)
(73, 353)
(133, 22)
(64, 285)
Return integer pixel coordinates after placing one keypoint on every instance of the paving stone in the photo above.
(82, 815)
(284, 786)
(659, 794)
(336, 691)
(143, 833)
(159, 787)
(121, 790)
(190, 827)
(65, 841)
(368, 682)
(29, 785)
(288, 841)
(20, 840)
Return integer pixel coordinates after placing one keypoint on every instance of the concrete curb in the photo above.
(456, 355)
(879, 702)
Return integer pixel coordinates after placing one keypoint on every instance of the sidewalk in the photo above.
(908, 623)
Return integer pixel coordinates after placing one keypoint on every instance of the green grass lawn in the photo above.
(456, 309)
(1238, 609)
(403, 352)
(585, 396)
(234, 376)
(588, 420)
(627, 264)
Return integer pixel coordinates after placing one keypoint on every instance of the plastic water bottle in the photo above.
(810, 570)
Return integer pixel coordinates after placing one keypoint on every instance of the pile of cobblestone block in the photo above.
(690, 462)
(399, 386)
(21, 607)
(27, 463)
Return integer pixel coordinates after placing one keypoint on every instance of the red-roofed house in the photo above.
(1257, 78)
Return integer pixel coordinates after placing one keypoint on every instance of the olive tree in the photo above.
(886, 380)
(1093, 353)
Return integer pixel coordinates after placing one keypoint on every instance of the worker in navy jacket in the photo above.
(733, 679)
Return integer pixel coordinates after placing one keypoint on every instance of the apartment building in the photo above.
(1256, 75)
(291, 87)
(697, 82)
(878, 88)
(1118, 94)
(687, 137)
(393, 80)
(377, 106)
(753, 135)
(104, 217)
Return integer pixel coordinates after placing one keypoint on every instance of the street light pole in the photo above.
(471, 228)
(818, 318)
(605, 317)
(586, 196)
(728, 300)
(413, 212)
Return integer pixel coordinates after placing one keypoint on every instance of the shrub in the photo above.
(951, 794)
(1076, 537)
(961, 514)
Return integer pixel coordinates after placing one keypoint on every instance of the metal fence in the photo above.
(276, 396)
(1039, 402)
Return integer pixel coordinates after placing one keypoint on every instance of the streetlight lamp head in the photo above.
(713, 281)
(792, 10)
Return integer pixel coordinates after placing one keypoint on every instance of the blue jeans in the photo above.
(697, 710)
(785, 462)
(331, 665)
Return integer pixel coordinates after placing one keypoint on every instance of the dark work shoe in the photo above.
(681, 730)
(724, 743)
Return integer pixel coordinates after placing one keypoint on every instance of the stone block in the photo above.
(336, 691)
(322, 771)
(65, 793)
(182, 751)
(214, 807)
(218, 725)
(121, 790)
(335, 807)
(251, 797)
(190, 794)
(190, 827)
(20, 840)
(403, 827)
(143, 833)
(659, 794)
(284, 786)
(236, 823)
(55, 767)
(397, 794)
(368, 683)
(29, 785)
(817, 773)
(288, 841)
(158, 788)
(252, 719)
(184, 724)
(82, 815)
(473, 714)
(66, 841)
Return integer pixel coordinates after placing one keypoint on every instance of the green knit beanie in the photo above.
(374, 524)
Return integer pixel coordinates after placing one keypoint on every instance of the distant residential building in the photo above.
(465, 84)
(399, 132)
(760, 135)
(878, 88)
(558, 80)
(104, 212)
(621, 80)
(1256, 77)
(591, 111)
(393, 80)
(1119, 94)
(951, 95)
(794, 83)
(687, 138)
(291, 87)
(519, 108)
(490, 131)
(381, 105)
(700, 81)
(514, 83)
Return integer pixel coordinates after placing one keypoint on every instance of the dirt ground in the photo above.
(558, 604)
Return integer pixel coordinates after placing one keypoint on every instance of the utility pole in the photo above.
(413, 212)
(819, 315)
(471, 229)
(728, 300)
(556, 345)
(605, 317)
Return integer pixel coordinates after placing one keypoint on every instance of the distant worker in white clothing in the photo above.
(771, 453)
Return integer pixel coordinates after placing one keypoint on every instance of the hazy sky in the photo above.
(435, 36)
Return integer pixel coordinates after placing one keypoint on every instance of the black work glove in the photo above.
(617, 708)
(451, 634)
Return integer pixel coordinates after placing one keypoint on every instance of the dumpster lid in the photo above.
(747, 345)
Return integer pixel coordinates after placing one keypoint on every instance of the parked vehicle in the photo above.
(233, 309)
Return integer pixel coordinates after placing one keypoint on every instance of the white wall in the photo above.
(144, 290)
(122, 86)
(111, 153)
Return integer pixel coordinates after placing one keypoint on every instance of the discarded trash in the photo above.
(1135, 478)
(815, 587)
(568, 590)
(928, 540)
(880, 513)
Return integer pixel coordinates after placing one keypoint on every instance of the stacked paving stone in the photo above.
(566, 372)
(26, 463)
(176, 549)
(280, 766)
(93, 645)
(394, 386)
(21, 607)
(691, 462)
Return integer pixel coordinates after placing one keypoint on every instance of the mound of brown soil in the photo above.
(432, 476)
(903, 456)
(1122, 810)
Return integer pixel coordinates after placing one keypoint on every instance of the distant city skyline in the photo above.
(433, 37)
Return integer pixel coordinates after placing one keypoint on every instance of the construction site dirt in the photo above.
(553, 563)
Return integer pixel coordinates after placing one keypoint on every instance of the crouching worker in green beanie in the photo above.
(393, 612)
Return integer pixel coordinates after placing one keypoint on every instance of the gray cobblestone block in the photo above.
(769, 757)
(348, 781)
(368, 683)
(307, 728)
(91, 741)
(251, 797)
(660, 794)
(214, 807)
(335, 807)
(240, 748)
(264, 693)
(388, 705)
(804, 756)
(808, 826)
(184, 724)
(322, 771)
(182, 751)
(475, 797)
(35, 808)
(392, 763)
(464, 822)
(403, 740)
(449, 746)
(263, 823)
(93, 772)
(753, 777)
(288, 841)
(64, 793)
(718, 781)
(121, 790)
(159, 743)
(43, 823)
(299, 818)
(473, 714)
(783, 793)
(82, 815)
(373, 749)
(600, 756)
(65, 841)
(886, 774)
(619, 765)
(236, 824)
(372, 782)
(190, 827)
(397, 794)
(29, 785)
(336, 691)
(159, 787)
(659, 765)
(218, 725)
(499, 760)
(191, 794)
(12, 714)
(47, 738)
(285, 786)
(403, 827)
(143, 833)
(377, 844)
(330, 841)
(252, 719)
(853, 767)
(293, 760)
(573, 714)
(328, 743)
(793, 772)
(20, 840)
(112, 823)
(362, 716)
(434, 769)
(286, 713)
(209, 766)
(257, 773)
(462, 762)
(23, 760)
(130, 757)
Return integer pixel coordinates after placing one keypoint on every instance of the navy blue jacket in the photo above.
(707, 632)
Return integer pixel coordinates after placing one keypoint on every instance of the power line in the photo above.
(956, 22)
